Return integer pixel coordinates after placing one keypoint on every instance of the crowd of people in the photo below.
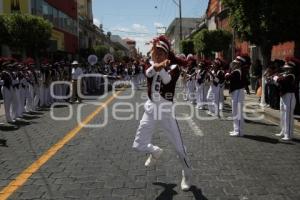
(25, 87)
(205, 82)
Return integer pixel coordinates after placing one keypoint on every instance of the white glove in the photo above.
(275, 78)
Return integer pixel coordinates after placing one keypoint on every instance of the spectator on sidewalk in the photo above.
(76, 73)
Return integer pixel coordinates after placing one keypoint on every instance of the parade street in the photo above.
(60, 159)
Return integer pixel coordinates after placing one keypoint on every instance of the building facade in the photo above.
(132, 47)
(62, 14)
(218, 18)
(87, 30)
(173, 31)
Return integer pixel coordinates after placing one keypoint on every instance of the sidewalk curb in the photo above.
(276, 119)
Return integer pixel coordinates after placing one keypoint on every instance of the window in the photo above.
(37, 7)
(55, 17)
(45, 10)
(50, 13)
(61, 19)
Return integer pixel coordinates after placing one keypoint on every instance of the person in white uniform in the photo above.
(237, 83)
(161, 81)
(287, 87)
(200, 85)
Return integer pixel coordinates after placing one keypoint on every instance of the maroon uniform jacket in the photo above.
(236, 79)
(167, 89)
(287, 83)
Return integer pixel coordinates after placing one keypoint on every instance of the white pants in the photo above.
(287, 106)
(213, 98)
(201, 95)
(7, 94)
(22, 99)
(42, 95)
(191, 90)
(237, 98)
(135, 82)
(29, 100)
(36, 98)
(221, 99)
(160, 112)
(18, 102)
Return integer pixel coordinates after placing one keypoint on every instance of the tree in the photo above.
(187, 47)
(265, 22)
(201, 42)
(28, 32)
(220, 39)
(101, 51)
(4, 35)
(118, 55)
(207, 42)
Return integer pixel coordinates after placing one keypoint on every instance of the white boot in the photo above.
(152, 159)
(281, 134)
(233, 133)
(186, 182)
(286, 138)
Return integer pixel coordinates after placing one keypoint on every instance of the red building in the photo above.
(63, 15)
(218, 18)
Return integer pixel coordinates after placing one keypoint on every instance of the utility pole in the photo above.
(180, 20)
(180, 17)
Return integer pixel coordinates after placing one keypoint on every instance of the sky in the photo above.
(139, 19)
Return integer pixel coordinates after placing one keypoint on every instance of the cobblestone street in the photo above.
(99, 163)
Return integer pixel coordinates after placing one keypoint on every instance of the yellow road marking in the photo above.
(19, 181)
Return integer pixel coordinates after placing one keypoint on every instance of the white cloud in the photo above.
(120, 29)
(139, 28)
(96, 22)
(158, 24)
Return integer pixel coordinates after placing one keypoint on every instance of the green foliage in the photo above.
(187, 47)
(201, 41)
(101, 51)
(118, 55)
(220, 40)
(207, 42)
(4, 35)
(25, 32)
(265, 22)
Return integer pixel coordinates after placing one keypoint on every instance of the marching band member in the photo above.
(200, 85)
(161, 81)
(237, 83)
(216, 77)
(7, 91)
(287, 87)
(191, 76)
(136, 73)
(221, 85)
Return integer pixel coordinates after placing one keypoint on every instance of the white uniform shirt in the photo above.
(76, 72)
(158, 77)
